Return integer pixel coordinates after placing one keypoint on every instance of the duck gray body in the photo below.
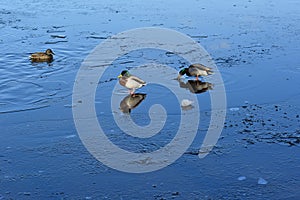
(130, 81)
(196, 70)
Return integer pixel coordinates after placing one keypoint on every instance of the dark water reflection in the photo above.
(196, 86)
(131, 101)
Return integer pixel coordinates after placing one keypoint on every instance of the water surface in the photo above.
(255, 45)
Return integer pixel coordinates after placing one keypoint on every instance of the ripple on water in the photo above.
(26, 86)
(18, 95)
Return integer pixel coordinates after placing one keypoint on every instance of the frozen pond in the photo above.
(255, 45)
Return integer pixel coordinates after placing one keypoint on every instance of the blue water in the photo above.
(255, 46)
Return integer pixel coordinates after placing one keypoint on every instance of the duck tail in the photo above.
(210, 72)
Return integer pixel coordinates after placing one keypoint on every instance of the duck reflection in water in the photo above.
(131, 101)
(196, 86)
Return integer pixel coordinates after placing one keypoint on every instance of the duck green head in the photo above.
(124, 73)
(183, 71)
(49, 52)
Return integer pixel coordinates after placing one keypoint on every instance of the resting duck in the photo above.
(195, 70)
(46, 56)
(131, 82)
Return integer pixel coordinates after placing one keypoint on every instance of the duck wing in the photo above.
(133, 82)
(201, 67)
(138, 80)
(37, 54)
(193, 71)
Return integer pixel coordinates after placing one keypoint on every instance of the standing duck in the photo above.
(195, 70)
(46, 56)
(131, 82)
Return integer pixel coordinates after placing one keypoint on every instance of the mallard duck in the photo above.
(131, 101)
(46, 56)
(195, 70)
(131, 82)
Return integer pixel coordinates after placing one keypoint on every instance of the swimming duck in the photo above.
(195, 70)
(131, 82)
(46, 56)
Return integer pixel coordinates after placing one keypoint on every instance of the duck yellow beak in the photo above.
(179, 76)
(120, 76)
